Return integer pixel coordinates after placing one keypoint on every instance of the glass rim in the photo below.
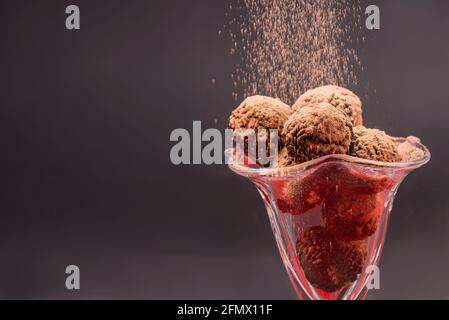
(294, 170)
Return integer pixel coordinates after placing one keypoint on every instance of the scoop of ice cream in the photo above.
(351, 216)
(329, 264)
(373, 144)
(285, 159)
(254, 117)
(341, 98)
(260, 112)
(409, 152)
(317, 130)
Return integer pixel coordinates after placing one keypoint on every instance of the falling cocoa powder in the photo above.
(286, 47)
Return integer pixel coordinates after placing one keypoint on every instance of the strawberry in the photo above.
(351, 216)
(328, 263)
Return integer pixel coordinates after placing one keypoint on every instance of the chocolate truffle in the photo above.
(252, 115)
(373, 144)
(285, 159)
(317, 130)
(341, 98)
(260, 112)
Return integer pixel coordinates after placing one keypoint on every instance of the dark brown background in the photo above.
(85, 175)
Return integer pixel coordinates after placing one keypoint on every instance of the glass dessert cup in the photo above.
(329, 217)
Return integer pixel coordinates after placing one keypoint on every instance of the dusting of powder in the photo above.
(286, 47)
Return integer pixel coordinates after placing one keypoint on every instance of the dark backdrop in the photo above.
(85, 175)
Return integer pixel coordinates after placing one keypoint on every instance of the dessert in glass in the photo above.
(329, 189)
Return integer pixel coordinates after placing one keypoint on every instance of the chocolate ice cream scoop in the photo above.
(341, 98)
(329, 264)
(285, 159)
(317, 130)
(373, 144)
(257, 115)
(260, 112)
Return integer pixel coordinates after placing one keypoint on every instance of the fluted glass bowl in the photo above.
(329, 217)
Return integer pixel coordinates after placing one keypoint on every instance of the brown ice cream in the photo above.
(373, 144)
(256, 113)
(341, 98)
(260, 112)
(315, 131)
(329, 264)
(286, 160)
